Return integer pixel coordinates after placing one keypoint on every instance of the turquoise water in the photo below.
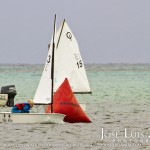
(120, 82)
(111, 81)
(120, 100)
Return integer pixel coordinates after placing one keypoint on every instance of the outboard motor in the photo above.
(11, 91)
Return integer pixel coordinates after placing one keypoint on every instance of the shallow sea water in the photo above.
(118, 107)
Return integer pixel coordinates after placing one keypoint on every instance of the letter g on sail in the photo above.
(69, 35)
(47, 63)
(49, 59)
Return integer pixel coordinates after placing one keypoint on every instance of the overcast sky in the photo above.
(108, 31)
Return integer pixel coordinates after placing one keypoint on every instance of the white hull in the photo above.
(31, 118)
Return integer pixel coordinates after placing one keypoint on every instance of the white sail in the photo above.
(43, 93)
(68, 62)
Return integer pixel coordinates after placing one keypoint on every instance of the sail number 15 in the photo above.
(79, 64)
(79, 61)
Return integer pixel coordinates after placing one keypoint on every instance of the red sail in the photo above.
(65, 102)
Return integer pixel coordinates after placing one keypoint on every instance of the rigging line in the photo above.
(60, 33)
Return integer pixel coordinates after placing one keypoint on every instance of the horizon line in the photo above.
(84, 63)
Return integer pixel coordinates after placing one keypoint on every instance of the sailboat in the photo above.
(43, 96)
(68, 66)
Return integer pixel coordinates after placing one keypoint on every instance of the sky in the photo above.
(107, 31)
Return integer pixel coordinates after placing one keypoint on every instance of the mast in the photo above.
(52, 68)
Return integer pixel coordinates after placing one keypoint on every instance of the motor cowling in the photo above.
(11, 91)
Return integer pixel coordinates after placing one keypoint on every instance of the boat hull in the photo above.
(32, 118)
